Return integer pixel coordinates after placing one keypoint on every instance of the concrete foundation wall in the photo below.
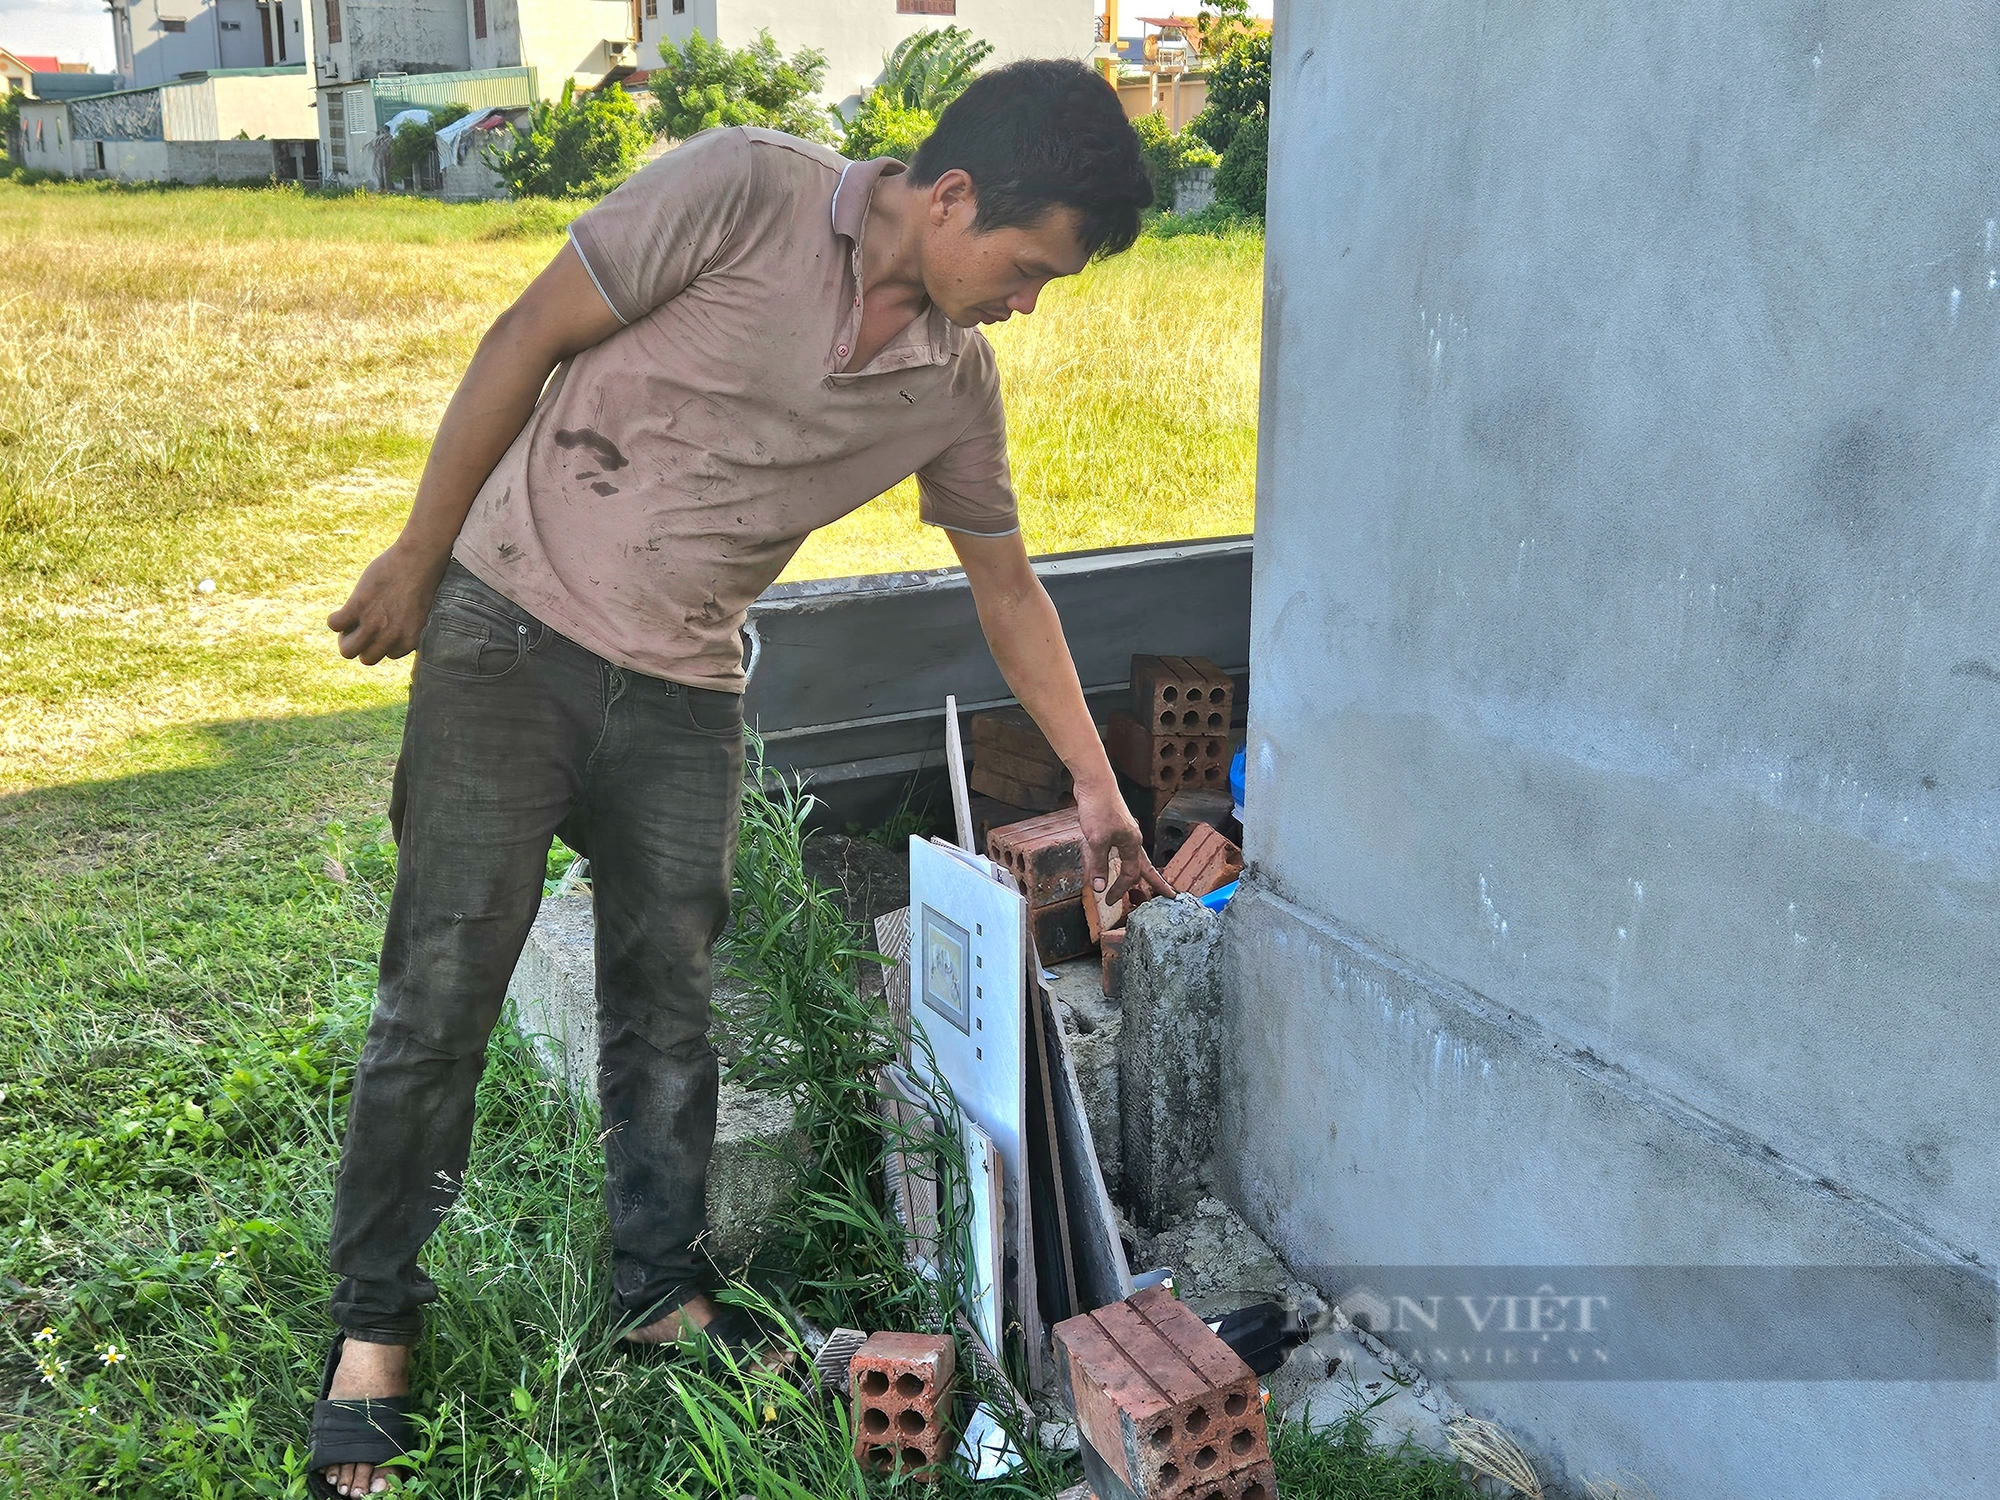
(1622, 807)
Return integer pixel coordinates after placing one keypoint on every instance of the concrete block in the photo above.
(1170, 996)
(1166, 1405)
(759, 1152)
(1045, 854)
(901, 1384)
(1091, 1026)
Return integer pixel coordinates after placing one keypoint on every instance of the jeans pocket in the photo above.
(467, 640)
(710, 712)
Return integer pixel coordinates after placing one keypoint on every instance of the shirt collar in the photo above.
(855, 188)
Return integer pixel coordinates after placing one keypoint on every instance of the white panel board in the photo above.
(982, 1171)
(966, 992)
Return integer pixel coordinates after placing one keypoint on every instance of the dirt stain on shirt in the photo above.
(584, 437)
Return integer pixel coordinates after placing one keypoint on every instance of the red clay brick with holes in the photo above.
(901, 1385)
(1182, 695)
(1163, 762)
(1045, 854)
(1165, 1402)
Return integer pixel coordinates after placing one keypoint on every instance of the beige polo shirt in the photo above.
(669, 474)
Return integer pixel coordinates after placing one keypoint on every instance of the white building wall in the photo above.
(855, 34)
(45, 140)
(158, 55)
(558, 38)
(275, 107)
(239, 34)
(401, 36)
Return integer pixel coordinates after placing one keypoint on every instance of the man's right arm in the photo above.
(561, 314)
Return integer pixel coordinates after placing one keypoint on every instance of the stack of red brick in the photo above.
(1166, 1409)
(1171, 751)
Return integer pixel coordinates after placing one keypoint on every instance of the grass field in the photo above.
(237, 388)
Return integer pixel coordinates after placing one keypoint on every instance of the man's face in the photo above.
(979, 276)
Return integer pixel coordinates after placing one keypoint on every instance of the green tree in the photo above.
(573, 147)
(1168, 154)
(928, 69)
(10, 117)
(702, 84)
(1221, 24)
(1239, 181)
(415, 137)
(884, 127)
(1239, 90)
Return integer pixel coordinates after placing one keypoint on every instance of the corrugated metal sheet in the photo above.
(487, 88)
(134, 115)
(189, 112)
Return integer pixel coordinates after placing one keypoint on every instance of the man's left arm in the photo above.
(1026, 637)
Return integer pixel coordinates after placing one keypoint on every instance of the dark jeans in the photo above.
(515, 734)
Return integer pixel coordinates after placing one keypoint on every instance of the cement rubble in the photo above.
(1169, 1085)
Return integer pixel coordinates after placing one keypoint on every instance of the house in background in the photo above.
(18, 70)
(159, 40)
(856, 33)
(235, 125)
(372, 59)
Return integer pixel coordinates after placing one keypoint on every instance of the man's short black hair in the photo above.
(1042, 134)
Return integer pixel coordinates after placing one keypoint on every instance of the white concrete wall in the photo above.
(855, 34)
(271, 108)
(50, 151)
(558, 38)
(359, 103)
(160, 56)
(240, 34)
(390, 36)
(1623, 814)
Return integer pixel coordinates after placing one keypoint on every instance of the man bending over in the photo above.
(749, 339)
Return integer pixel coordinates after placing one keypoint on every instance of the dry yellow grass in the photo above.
(239, 386)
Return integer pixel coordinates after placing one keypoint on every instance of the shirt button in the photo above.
(841, 351)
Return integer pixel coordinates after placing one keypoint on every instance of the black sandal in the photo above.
(362, 1431)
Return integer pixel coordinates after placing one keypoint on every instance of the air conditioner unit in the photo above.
(620, 53)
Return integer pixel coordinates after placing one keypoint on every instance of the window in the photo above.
(926, 7)
(652, 10)
(232, 25)
(100, 154)
(172, 23)
(479, 18)
(336, 131)
(39, 146)
(680, 7)
(333, 20)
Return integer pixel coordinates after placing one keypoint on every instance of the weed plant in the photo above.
(168, 1192)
